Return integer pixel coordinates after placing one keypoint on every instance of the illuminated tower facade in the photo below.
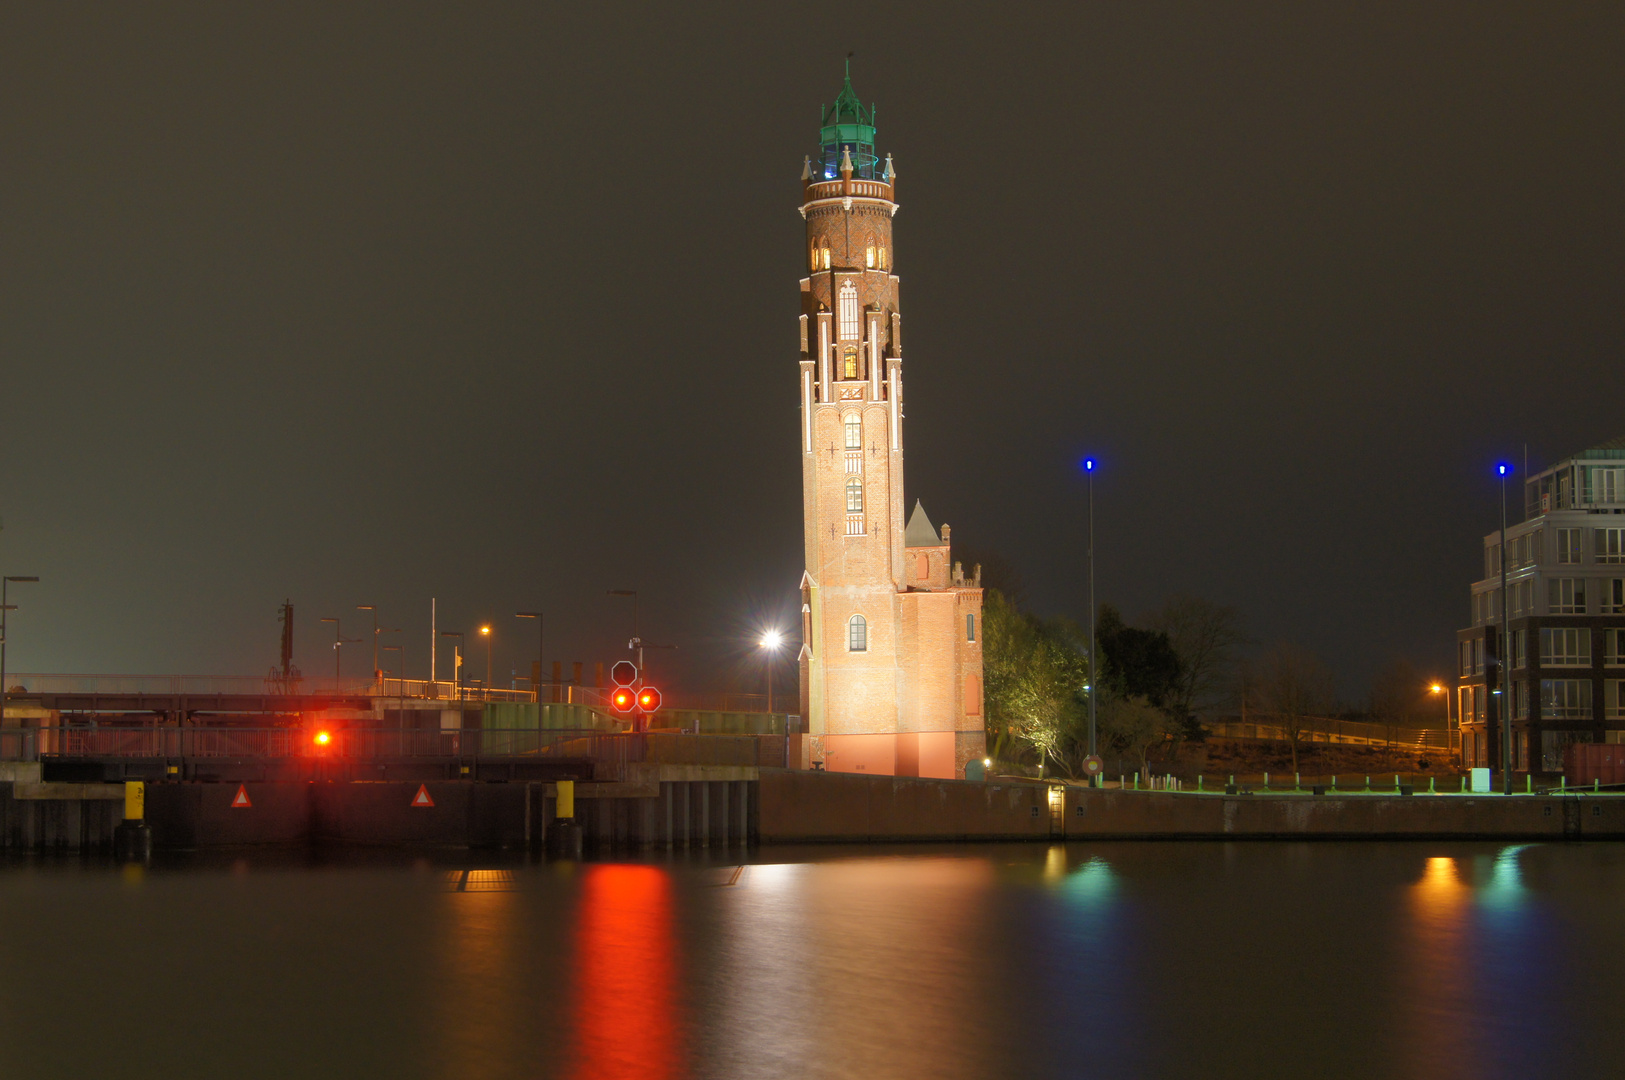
(891, 666)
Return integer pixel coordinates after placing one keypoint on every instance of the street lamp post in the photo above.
(541, 647)
(770, 645)
(5, 606)
(637, 642)
(485, 632)
(338, 652)
(1502, 661)
(1094, 667)
(376, 676)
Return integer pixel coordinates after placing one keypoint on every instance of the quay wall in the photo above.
(662, 806)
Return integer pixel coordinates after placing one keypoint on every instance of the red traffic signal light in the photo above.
(624, 673)
(623, 699)
(648, 699)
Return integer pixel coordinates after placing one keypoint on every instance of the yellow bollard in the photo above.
(566, 801)
(135, 800)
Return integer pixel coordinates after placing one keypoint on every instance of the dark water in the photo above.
(1122, 960)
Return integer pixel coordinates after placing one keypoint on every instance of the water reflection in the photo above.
(479, 990)
(625, 976)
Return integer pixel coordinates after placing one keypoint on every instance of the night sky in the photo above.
(496, 303)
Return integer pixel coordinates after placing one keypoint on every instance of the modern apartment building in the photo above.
(1565, 595)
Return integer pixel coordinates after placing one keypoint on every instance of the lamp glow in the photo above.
(323, 738)
(772, 639)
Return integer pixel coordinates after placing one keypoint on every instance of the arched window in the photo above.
(882, 258)
(854, 432)
(823, 252)
(850, 367)
(849, 312)
(854, 496)
(857, 634)
(869, 255)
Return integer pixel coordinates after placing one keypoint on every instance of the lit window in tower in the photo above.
(849, 312)
(854, 432)
(882, 259)
(854, 496)
(857, 634)
(850, 367)
(869, 256)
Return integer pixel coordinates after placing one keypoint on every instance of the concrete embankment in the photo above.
(813, 807)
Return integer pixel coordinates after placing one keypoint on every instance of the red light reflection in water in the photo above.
(625, 977)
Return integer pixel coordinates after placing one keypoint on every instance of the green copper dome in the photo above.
(847, 126)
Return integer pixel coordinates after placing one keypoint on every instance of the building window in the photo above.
(1565, 699)
(1520, 700)
(883, 256)
(1566, 596)
(1568, 545)
(1465, 666)
(1613, 699)
(1613, 648)
(1478, 656)
(1523, 596)
(922, 567)
(820, 254)
(970, 626)
(1552, 745)
(1519, 648)
(857, 634)
(1565, 647)
(1610, 545)
(1613, 596)
(850, 364)
(854, 496)
(869, 256)
(1607, 485)
(854, 432)
(849, 312)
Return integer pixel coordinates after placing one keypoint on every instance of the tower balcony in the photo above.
(859, 189)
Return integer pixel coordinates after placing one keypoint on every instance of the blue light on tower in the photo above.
(1503, 469)
(1088, 464)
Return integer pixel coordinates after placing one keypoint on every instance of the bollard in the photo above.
(1368, 783)
(1528, 783)
(1596, 787)
(1464, 785)
(1136, 781)
(1430, 787)
(1397, 784)
(1297, 781)
(1198, 783)
(564, 835)
(1334, 783)
(132, 838)
(1563, 784)
(1266, 781)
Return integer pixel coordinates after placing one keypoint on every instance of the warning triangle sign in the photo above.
(240, 801)
(422, 797)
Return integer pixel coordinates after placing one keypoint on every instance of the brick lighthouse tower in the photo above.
(891, 668)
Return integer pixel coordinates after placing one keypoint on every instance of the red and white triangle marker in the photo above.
(240, 801)
(422, 797)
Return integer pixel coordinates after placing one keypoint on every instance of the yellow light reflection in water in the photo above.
(1437, 977)
(480, 987)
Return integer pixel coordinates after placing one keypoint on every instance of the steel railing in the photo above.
(1346, 732)
(348, 744)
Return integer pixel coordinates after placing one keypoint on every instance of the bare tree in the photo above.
(1294, 686)
(1132, 724)
(1206, 637)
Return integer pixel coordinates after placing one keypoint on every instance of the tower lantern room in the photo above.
(848, 127)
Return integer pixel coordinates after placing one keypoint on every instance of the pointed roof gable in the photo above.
(920, 531)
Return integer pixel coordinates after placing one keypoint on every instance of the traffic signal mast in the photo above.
(630, 697)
